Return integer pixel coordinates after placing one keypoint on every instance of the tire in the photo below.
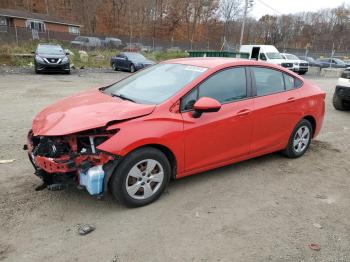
(114, 67)
(302, 72)
(338, 103)
(131, 178)
(296, 146)
(132, 68)
(36, 70)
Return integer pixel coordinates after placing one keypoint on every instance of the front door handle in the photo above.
(291, 99)
(243, 112)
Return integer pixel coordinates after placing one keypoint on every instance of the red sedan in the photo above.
(171, 120)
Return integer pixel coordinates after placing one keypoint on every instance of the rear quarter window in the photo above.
(291, 82)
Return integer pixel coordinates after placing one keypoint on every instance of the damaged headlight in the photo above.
(49, 147)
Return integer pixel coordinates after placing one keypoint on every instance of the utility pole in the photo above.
(247, 4)
(243, 23)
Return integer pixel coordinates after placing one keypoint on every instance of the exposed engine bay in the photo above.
(60, 160)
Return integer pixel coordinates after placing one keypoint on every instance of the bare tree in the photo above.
(229, 11)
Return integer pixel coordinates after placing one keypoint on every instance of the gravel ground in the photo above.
(265, 209)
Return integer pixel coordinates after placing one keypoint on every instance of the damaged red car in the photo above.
(172, 120)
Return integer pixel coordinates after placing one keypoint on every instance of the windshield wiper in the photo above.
(123, 97)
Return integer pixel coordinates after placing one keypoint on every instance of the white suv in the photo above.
(341, 97)
(299, 66)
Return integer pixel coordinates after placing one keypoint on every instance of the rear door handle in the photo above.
(291, 99)
(243, 112)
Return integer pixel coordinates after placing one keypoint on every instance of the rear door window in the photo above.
(267, 81)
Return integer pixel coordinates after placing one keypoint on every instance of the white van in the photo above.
(267, 53)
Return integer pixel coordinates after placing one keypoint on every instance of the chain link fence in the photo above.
(20, 36)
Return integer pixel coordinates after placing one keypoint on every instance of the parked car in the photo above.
(331, 62)
(86, 41)
(172, 120)
(311, 61)
(347, 62)
(299, 66)
(341, 97)
(133, 47)
(130, 61)
(146, 48)
(51, 57)
(113, 42)
(174, 49)
(267, 53)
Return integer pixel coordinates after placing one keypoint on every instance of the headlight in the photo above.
(39, 59)
(65, 59)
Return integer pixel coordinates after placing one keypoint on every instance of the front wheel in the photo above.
(114, 67)
(132, 68)
(141, 177)
(299, 140)
(338, 103)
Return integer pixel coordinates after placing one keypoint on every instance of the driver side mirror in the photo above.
(205, 105)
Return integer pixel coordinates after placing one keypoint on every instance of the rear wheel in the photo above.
(299, 140)
(141, 177)
(338, 103)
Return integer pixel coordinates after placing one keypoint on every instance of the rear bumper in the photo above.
(343, 92)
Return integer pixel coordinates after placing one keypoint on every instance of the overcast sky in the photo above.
(291, 6)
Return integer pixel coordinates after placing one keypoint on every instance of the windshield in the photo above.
(274, 56)
(338, 61)
(292, 57)
(135, 56)
(52, 50)
(156, 83)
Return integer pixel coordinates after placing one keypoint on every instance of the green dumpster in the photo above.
(218, 54)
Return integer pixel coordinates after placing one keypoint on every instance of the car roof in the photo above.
(213, 62)
(130, 53)
(49, 45)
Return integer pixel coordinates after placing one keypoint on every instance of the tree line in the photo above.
(214, 23)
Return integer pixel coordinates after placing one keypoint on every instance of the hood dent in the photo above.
(85, 111)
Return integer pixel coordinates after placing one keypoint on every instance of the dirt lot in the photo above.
(259, 210)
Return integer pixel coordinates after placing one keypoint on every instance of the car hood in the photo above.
(297, 61)
(84, 111)
(279, 61)
(45, 55)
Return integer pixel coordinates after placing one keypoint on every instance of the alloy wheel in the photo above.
(144, 179)
(301, 139)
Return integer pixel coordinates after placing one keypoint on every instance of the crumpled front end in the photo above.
(72, 159)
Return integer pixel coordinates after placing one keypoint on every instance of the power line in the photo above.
(268, 6)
